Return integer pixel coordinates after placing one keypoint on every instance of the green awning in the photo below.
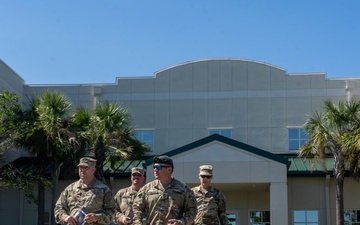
(307, 166)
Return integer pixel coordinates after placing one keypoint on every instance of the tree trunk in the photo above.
(100, 157)
(339, 174)
(339, 202)
(40, 164)
(41, 203)
(54, 186)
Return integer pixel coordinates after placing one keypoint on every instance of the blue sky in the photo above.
(95, 41)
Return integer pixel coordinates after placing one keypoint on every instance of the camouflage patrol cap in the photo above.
(87, 161)
(164, 160)
(206, 170)
(137, 170)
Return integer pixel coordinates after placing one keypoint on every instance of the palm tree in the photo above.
(43, 129)
(34, 138)
(13, 127)
(11, 115)
(61, 144)
(107, 131)
(335, 132)
(17, 130)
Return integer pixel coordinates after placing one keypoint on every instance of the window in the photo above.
(306, 217)
(224, 132)
(297, 138)
(231, 218)
(352, 217)
(259, 217)
(146, 136)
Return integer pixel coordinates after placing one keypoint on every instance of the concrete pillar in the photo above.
(279, 204)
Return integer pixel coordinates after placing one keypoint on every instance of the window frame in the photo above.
(220, 131)
(300, 139)
(151, 143)
(357, 222)
(306, 222)
(233, 212)
(262, 222)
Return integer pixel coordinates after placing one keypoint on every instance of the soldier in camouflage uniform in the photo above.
(165, 200)
(211, 202)
(124, 198)
(87, 194)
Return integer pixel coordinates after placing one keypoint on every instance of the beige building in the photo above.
(243, 117)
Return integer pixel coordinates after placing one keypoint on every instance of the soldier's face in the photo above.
(205, 180)
(137, 178)
(86, 172)
(161, 170)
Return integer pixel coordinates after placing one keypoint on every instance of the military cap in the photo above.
(87, 161)
(206, 170)
(137, 170)
(164, 160)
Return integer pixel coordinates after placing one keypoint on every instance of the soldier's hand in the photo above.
(70, 220)
(126, 220)
(173, 222)
(90, 218)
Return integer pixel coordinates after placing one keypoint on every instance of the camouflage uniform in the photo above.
(211, 207)
(124, 199)
(96, 198)
(154, 205)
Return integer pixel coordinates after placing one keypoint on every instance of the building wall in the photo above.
(12, 82)
(243, 201)
(257, 101)
(312, 194)
(9, 80)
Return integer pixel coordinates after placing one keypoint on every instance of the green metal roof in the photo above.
(123, 168)
(302, 166)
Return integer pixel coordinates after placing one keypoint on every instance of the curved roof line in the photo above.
(213, 59)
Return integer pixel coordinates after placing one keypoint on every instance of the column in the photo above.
(279, 204)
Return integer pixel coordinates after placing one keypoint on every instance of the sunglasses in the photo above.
(159, 167)
(205, 176)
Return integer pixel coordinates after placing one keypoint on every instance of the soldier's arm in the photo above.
(118, 212)
(190, 207)
(107, 215)
(139, 208)
(61, 210)
(222, 209)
